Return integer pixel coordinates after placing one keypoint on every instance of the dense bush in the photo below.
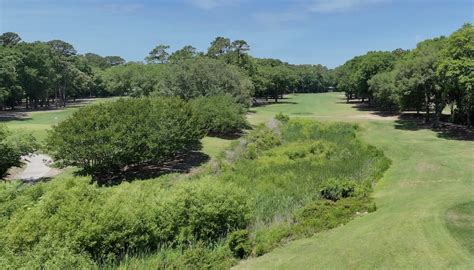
(109, 136)
(220, 114)
(336, 189)
(79, 220)
(272, 186)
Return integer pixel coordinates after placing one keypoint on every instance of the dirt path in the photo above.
(36, 168)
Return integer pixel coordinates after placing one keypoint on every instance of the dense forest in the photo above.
(439, 72)
(42, 74)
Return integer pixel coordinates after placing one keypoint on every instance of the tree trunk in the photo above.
(427, 104)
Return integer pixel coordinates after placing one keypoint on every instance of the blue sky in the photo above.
(327, 32)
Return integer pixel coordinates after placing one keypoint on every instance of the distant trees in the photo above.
(107, 137)
(9, 39)
(158, 55)
(45, 73)
(205, 77)
(187, 52)
(456, 70)
(438, 72)
(41, 74)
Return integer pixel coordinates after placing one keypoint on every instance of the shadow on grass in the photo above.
(413, 121)
(261, 102)
(365, 107)
(181, 164)
(21, 113)
(13, 116)
(444, 130)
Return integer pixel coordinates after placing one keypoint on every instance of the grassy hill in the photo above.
(430, 174)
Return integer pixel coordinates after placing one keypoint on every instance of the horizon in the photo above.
(298, 32)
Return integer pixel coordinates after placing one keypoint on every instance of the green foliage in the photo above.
(239, 243)
(109, 136)
(384, 89)
(282, 117)
(289, 167)
(205, 77)
(336, 189)
(196, 256)
(132, 79)
(220, 114)
(112, 222)
(323, 215)
(436, 73)
(456, 69)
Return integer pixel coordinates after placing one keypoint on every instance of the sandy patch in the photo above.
(375, 117)
(36, 167)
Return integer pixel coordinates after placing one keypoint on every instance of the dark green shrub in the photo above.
(106, 224)
(282, 117)
(270, 237)
(336, 189)
(372, 208)
(220, 114)
(322, 215)
(109, 136)
(239, 244)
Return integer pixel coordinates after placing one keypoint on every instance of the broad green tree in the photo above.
(9, 39)
(158, 55)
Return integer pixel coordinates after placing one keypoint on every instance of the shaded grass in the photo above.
(460, 222)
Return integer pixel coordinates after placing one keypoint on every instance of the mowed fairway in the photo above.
(429, 175)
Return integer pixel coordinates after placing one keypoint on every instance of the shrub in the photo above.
(282, 117)
(79, 219)
(109, 136)
(322, 215)
(220, 114)
(335, 189)
(239, 244)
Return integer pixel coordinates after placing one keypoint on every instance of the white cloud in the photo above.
(328, 6)
(211, 4)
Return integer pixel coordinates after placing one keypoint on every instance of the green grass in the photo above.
(428, 176)
(38, 122)
(460, 221)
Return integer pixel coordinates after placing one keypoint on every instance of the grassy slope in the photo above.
(428, 176)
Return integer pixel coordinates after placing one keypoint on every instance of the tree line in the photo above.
(438, 73)
(43, 74)
(40, 74)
